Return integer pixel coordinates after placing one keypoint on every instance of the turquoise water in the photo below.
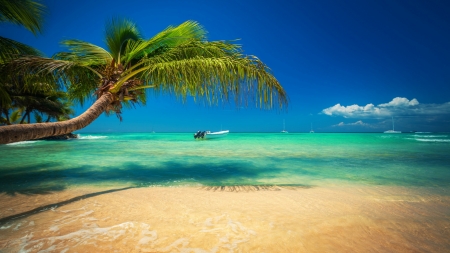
(158, 159)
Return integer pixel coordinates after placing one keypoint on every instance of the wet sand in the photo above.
(188, 219)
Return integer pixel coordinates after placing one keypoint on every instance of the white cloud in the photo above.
(357, 123)
(353, 110)
(398, 101)
(397, 107)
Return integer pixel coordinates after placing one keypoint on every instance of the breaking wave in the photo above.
(433, 140)
(91, 137)
(21, 143)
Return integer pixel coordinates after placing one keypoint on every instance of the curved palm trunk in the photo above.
(15, 133)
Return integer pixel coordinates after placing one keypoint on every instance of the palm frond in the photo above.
(23, 12)
(169, 38)
(189, 49)
(11, 49)
(15, 116)
(215, 79)
(5, 99)
(37, 117)
(84, 53)
(79, 80)
(117, 33)
(211, 71)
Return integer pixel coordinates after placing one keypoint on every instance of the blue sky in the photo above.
(347, 66)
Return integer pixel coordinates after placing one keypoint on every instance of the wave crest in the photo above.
(91, 137)
(21, 143)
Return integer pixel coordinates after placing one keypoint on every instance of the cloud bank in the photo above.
(357, 123)
(397, 107)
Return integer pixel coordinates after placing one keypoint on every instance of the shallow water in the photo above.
(144, 159)
(243, 193)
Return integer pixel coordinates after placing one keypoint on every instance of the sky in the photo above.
(347, 66)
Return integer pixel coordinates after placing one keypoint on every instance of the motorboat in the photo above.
(210, 135)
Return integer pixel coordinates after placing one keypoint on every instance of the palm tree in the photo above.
(28, 14)
(178, 61)
(53, 104)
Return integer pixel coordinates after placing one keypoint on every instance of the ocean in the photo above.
(176, 159)
(344, 176)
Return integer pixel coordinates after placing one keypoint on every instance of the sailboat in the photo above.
(393, 129)
(284, 128)
(311, 131)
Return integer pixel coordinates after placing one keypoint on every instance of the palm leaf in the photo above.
(215, 79)
(169, 38)
(15, 116)
(79, 80)
(23, 12)
(187, 50)
(11, 49)
(84, 53)
(37, 117)
(212, 71)
(5, 99)
(118, 31)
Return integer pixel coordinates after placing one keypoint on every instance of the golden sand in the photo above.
(318, 219)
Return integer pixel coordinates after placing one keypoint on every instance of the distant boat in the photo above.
(311, 131)
(284, 128)
(393, 129)
(210, 135)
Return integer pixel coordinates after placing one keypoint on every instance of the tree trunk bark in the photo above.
(15, 133)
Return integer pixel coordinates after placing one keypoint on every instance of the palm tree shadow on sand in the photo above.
(253, 188)
(56, 205)
(47, 178)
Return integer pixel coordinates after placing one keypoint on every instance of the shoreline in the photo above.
(172, 219)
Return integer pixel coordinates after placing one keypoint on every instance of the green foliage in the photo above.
(118, 31)
(23, 12)
(37, 117)
(15, 116)
(177, 61)
(11, 49)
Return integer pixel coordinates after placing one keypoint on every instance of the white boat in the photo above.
(311, 131)
(284, 128)
(210, 135)
(393, 129)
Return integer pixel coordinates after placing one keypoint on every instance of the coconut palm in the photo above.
(178, 61)
(53, 104)
(28, 14)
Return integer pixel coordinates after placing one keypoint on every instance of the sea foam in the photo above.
(22, 143)
(91, 137)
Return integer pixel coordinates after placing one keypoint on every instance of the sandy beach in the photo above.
(189, 219)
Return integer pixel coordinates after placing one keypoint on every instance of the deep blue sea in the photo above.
(176, 159)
